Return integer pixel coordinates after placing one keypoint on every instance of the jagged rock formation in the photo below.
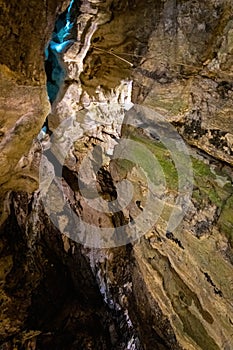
(25, 30)
(187, 73)
(171, 289)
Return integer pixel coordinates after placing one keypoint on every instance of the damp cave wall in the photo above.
(25, 30)
(187, 88)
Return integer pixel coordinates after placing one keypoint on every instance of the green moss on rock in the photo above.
(225, 221)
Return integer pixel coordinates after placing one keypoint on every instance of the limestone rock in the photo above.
(25, 30)
(172, 287)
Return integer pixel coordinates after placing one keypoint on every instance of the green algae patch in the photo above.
(215, 187)
(161, 154)
(211, 186)
(225, 221)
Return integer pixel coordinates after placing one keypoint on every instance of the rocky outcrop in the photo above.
(48, 280)
(25, 30)
(110, 177)
(186, 73)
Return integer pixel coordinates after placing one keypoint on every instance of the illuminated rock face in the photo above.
(25, 31)
(64, 35)
(173, 288)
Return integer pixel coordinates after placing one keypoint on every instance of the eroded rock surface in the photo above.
(171, 289)
(186, 73)
(25, 30)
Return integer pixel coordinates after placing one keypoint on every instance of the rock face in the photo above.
(25, 30)
(186, 73)
(171, 286)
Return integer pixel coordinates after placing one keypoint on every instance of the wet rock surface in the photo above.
(186, 73)
(170, 289)
(25, 30)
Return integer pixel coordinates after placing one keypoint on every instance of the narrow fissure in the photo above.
(102, 325)
(63, 36)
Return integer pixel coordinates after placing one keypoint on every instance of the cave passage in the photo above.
(63, 36)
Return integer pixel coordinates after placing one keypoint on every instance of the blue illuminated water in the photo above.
(63, 36)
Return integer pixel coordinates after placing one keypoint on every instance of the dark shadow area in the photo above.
(51, 290)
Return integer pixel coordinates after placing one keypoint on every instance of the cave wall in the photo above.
(25, 30)
(169, 290)
(49, 296)
(186, 73)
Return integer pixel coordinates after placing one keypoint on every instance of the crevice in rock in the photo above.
(209, 280)
(57, 294)
(62, 305)
(63, 37)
